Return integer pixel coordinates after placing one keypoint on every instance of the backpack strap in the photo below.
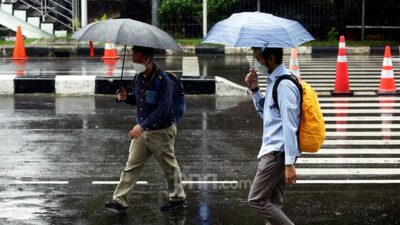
(292, 78)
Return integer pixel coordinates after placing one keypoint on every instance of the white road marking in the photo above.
(116, 182)
(348, 160)
(361, 111)
(361, 118)
(356, 105)
(349, 151)
(209, 182)
(362, 126)
(348, 182)
(362, 134)
(41, 182)
(348, 171)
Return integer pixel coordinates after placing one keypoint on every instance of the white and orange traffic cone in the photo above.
(342, 74)
(294, 63)
(388, 84)
(110, 52)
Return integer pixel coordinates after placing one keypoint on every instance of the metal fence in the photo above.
(318, 16)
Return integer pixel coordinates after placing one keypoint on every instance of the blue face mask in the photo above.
(263, 70)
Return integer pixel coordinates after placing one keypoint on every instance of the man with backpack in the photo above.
(154, 134)
(279, 149)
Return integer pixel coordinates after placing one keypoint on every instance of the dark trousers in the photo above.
(267, 191)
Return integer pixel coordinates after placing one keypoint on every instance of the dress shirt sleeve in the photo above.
(259, 100)
(289, 107)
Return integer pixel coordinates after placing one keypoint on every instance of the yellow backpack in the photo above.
(311, 132)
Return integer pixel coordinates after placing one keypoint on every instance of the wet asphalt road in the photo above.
(79, 140)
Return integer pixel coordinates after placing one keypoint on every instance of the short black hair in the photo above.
(144, 50)
(277, 52)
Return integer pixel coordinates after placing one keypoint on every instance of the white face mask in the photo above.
(140, 68)
(261, 68)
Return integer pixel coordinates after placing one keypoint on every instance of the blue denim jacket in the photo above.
(153, 99)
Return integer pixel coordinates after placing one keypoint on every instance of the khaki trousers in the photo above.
(160, 144)
(267, 191)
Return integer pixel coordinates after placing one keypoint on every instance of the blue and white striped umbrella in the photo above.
(255, 29)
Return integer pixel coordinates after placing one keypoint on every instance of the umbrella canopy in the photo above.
(127, 32)
(255, 29)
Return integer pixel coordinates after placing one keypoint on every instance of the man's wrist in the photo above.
(255, 89)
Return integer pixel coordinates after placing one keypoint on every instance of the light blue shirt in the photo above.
(280, 127)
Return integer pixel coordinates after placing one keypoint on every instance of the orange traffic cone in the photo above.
(19, 47)
(294, 64)
(342, 75)
(110, 52)
(387, 85)
(91, 49)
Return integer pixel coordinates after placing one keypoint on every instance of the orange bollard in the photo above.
(342, 75)
(387, 85)
(91, 49)
(19, 47)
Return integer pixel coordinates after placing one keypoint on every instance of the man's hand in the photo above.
(135, 132)
(290, 174)
(251, 79)
(122, 95)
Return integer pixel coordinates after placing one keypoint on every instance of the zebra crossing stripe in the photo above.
(349, 151)
(116, 182)
(348, 161)
(359, 99)
(348, 171)
(356, 105)
(362, 126)
(348, 181)
(362, 134)
(361, 111)
(40, 182)
(362, 119)
(352, 142)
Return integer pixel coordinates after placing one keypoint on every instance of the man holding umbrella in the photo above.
(154, 134)
(268, 35)
(279, 148)
(155, 131)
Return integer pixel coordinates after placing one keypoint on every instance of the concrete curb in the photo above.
(225, 87)
(87, 85)
(91, 85)
(78, 50)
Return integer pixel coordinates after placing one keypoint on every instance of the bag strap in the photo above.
(294, 79)
(290, 77)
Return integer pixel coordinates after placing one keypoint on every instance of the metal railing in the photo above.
(64, 12)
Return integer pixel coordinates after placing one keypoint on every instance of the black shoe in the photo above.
(174, 205)
(115, 207)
